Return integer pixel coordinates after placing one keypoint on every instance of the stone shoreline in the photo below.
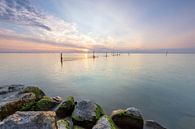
(29, 108)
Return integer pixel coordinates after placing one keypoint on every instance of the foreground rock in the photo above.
(130, 118)
(45, 104)
(86, 113)
(150, 124)
(78, 127)
(36, 90)
(105, 122)
(66, 108)
(15, 103)
(63, 124)
(30, 120)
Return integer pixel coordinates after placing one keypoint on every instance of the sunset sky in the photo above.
(96, 25)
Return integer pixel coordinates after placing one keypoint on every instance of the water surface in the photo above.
(162, 87)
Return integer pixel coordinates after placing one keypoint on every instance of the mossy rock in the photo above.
(86, 113)
(13, 104)
(28, 106)
(30, 120)
(63, 124)
(36, 90)
(105, 122)
(45, 104)
(66, 108)
(78, 127)
(128, 119)
(151, 124)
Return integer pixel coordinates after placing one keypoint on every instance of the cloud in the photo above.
(43, 28)
(21, 12)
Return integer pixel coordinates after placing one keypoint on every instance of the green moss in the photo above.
(66, 108)
(70, 98)
(64, 123)
(113, 126)
(36, 90)
(28, 106)
(99, 111)
(77, 118)
(46, 103)
(78, 127)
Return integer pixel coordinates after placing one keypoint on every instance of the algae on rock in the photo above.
(66, 108)
(45, 104)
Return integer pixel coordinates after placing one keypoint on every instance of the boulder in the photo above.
(86, 113)
(30, 120)
(66, 108)
(45, 104)
(36, 90)
(150, 124)
(10, 88)
(78, 127)
(130, 118)
(58, 99)
(105, 122)
(63, 124)
(15, 103)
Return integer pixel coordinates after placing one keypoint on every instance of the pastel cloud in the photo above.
(42, 28)
(21, 12)
(99, 25)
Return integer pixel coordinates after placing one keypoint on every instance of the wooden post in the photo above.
(93, 54)
(61, 58)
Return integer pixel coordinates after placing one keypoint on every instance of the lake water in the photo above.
(162, 87)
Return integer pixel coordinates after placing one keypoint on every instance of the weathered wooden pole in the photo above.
(61, 58)
(93, 54)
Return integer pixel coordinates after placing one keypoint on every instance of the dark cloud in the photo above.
(22, 12)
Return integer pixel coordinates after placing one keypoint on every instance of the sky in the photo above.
(97, 25)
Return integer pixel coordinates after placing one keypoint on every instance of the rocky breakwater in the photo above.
(30, 108)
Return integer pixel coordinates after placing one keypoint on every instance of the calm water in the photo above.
(163, 88)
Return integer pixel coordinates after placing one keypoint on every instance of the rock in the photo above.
(130, 118)
(105, 122)
(15, 103)
(58, 99)
(45, 104)
(150, 124)
(66, 108)
(78, 127)
(63, 124)
(10, 88)
(36, 90)
(30, 120)
(86, 113)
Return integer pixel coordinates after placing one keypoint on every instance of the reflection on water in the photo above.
(161, 86)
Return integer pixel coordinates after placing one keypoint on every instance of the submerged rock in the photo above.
(63, 124)
(45, 104)
(150, 124)
(105, 122)
(15, 103)
(86, 113)
(10, 88)
(66, 108)
(130, 118)
(36, 90)
(30, 120)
